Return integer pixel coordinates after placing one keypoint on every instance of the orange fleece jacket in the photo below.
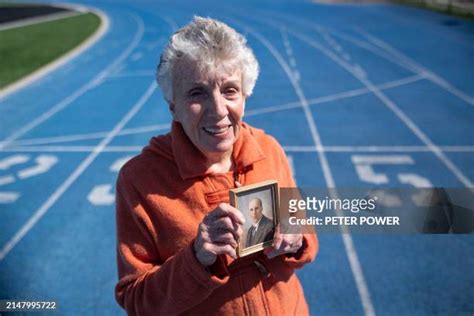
(162, 196)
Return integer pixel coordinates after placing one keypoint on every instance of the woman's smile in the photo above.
(209, 106)
(220, 131)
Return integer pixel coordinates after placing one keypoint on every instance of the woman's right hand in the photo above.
(218, 234)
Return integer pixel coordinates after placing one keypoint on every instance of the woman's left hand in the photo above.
(284, 243)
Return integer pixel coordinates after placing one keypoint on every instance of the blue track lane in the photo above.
(378, 80)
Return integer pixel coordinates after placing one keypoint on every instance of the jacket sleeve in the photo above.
(147, 285)
(309, 249)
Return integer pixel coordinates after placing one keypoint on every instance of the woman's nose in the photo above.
(218, 105)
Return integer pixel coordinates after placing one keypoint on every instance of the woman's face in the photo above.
(209, 106)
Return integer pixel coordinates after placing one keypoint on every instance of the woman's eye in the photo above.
(195, 93)
(231, 91)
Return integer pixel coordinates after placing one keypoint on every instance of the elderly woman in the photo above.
(177, 233)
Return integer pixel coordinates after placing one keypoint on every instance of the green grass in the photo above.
(25, 49)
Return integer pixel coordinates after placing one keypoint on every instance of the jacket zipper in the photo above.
(236, 175)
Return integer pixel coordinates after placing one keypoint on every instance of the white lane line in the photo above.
(130, 74)
(48, 68)
(319, 28)
(340, 51)
(383, 50)
(340, 149)
(87, 136)
(136, 56)
(274, 108)
(346, 37)
(344, 55)
(169, 21)
(66, 149)
(374, 50)
(334, 97)
(289, 53)
(346, 237)
(354, 149)
(75, 174)
(417, 67)
(386, 160)
(37, 20)
(389, 104)
(78, 93)
(258, 111)
(304, 149)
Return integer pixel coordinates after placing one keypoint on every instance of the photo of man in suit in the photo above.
(262, 227)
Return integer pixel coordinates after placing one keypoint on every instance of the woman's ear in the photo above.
(173, 111)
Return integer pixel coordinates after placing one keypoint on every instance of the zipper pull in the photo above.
(236, 173)
(262, 269)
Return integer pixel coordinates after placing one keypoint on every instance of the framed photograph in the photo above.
(259, 204)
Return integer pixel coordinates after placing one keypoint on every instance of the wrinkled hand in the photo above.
(284, 243)
(218, 234)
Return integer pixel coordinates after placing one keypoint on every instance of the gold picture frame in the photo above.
(256, 235)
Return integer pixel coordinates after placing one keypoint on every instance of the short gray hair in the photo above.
(208, 42)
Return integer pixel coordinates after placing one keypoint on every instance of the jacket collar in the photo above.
(192, 163)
